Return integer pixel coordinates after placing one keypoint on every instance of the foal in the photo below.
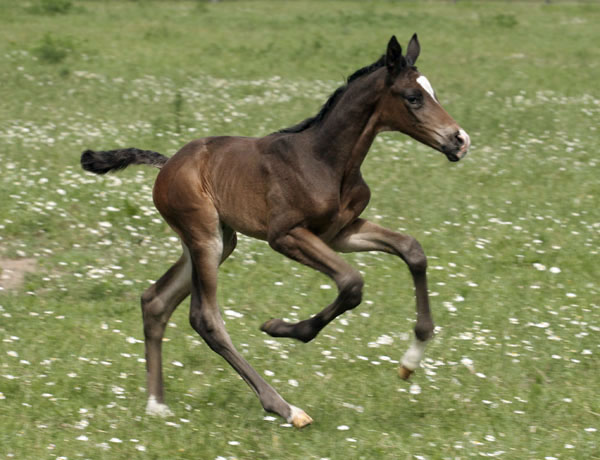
(301, 190)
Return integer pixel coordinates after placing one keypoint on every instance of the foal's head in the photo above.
(410, 105)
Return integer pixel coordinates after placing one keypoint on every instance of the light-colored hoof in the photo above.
(299, 418)
(157, 409)
(404, 372)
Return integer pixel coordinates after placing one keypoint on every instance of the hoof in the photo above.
(157, 409)
(302, 331)
(267, 326)
(299, 418)
(404, 372)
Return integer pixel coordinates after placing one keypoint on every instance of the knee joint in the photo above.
(277, 241)
(208, 328)
(147, 297)
(351, 291)
(152, 315)
(415, 257)
(198, 322)
(152, 305)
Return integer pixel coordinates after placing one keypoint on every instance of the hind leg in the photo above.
(159, 302)
(204, 238)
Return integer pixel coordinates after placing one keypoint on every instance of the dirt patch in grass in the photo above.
(12, 272)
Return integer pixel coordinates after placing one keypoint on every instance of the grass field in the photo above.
(512, 233)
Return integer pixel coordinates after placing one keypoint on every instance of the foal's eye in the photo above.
(414, 99)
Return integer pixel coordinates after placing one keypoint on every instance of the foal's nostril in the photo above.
(459, 138)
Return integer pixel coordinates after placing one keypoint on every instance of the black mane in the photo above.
(303, 125)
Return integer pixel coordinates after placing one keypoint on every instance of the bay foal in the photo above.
(301, 190)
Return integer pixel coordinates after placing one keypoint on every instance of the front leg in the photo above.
(362, 235)
(303, 246)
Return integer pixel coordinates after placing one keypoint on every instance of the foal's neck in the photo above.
(344, 137)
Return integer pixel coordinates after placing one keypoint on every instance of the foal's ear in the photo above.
(413, 51)
(394, 60)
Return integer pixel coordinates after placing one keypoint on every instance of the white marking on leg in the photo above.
(295, 412)
(413, 356)
(155, 408)
(424, 82)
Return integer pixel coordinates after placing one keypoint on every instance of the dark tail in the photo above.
(114, 160)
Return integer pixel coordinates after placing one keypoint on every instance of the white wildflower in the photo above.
(415, 389)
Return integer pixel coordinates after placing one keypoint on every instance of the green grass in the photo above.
(512, 233)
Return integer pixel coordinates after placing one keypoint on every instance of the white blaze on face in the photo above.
(422, 80)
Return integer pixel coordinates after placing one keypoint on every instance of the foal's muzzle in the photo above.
(457, 145)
